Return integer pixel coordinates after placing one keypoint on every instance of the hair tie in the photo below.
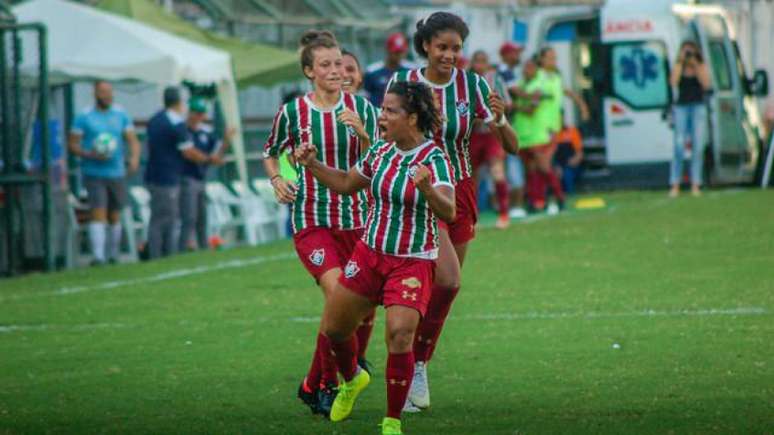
(424, 20)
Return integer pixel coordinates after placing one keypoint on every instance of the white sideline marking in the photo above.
(46, 327)
(172, 274)
(743, 311)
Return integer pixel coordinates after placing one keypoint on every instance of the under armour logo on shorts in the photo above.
(351, 269)
(317, 257)
(407, 295)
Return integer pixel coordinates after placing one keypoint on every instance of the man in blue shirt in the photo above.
(379, 74)
(193, 210)
(99, 136)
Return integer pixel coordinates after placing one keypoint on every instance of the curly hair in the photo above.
(434, 24)
(310, 41)
(418, 98)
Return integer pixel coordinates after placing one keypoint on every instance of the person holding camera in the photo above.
(690, 76)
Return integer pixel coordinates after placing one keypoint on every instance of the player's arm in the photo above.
(584, 108)
(279, 140)
(74, 143)
(501, 128)
(440, 197)
(134, 149)
(337, 180)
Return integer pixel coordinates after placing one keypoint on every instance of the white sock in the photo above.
(97, 238)
(114, 242)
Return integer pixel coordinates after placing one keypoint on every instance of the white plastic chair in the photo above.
(264, 189)
(258, 213)
(227, 213)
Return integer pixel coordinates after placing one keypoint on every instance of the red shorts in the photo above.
(484, 148)
(463, 229)
(322, 249)
(389, 280)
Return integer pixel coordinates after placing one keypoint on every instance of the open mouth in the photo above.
(347, 83)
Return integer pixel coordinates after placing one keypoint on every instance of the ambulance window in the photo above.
(640, 75)
(721, 69)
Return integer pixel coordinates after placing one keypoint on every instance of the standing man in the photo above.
(168, 140)
(510, 73)
(510, 57)
(99, 136)
(193, 210)
(379, 73)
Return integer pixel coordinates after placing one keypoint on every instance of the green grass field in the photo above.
(218, 342)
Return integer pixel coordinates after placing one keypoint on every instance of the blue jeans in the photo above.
(690, 122)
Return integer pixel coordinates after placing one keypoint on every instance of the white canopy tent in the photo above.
(84, 42)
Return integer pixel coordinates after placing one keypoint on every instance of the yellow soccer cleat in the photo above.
(391, 426)
(348, 392)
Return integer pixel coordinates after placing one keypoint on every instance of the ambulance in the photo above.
(618, 57)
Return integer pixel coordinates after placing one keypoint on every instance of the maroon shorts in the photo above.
(389, 280)
(463, 229)
(484, 148)
(322, 249)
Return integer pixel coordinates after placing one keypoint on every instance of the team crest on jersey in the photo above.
(413, 171)
(351, 269)
(412, 282)
(462, 108)
(317, 257)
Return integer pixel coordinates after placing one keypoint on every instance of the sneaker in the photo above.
(391, 426)
(325, 398)
(348, 392)
(309, 397)
(419, 393)
(502, 222)
(552, 209)
(365, 365)
(517, 213)
(410, 407)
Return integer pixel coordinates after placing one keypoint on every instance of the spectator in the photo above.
(379, 74)
(168, 138)
(510, 57)
(568, 156)
(484, 146)
(193, 207)
(690, 76)
(99, 136)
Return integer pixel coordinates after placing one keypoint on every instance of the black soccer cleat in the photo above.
(309, 398)
(325, 397)
(365, 365)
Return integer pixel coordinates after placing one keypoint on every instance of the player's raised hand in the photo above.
(497, 105)
(306, 154)
(352, 119)
(284, 190)
(421, 177)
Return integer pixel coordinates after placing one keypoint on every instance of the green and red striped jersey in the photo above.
(400, 221)
(338, 146)
(462, 100)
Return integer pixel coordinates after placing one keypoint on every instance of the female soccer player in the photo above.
(462, 96)
(410, 180)
(326, 225)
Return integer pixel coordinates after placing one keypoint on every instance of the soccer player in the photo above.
(326, 225)
(98, 137)
(484, 148)
(410, 181)
(463, 96)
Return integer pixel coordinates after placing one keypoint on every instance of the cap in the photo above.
(197, 105)
(510, 47)
(396, 43)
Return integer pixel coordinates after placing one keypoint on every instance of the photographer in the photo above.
(690, 76)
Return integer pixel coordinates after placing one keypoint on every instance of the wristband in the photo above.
(271, 180)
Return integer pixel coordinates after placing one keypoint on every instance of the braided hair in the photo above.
(418, 98)
(434, 24)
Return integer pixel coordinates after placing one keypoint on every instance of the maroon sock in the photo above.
(314, 375)
(429, 329)
(364, 333)
(552, 180)
(399, 373)
(501, 192)
(345, 353)
(328, 367)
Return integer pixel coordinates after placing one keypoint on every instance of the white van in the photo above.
(618, 57)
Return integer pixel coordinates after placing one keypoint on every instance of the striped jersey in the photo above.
(463, 99)
(338, 146)
(400, 221)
